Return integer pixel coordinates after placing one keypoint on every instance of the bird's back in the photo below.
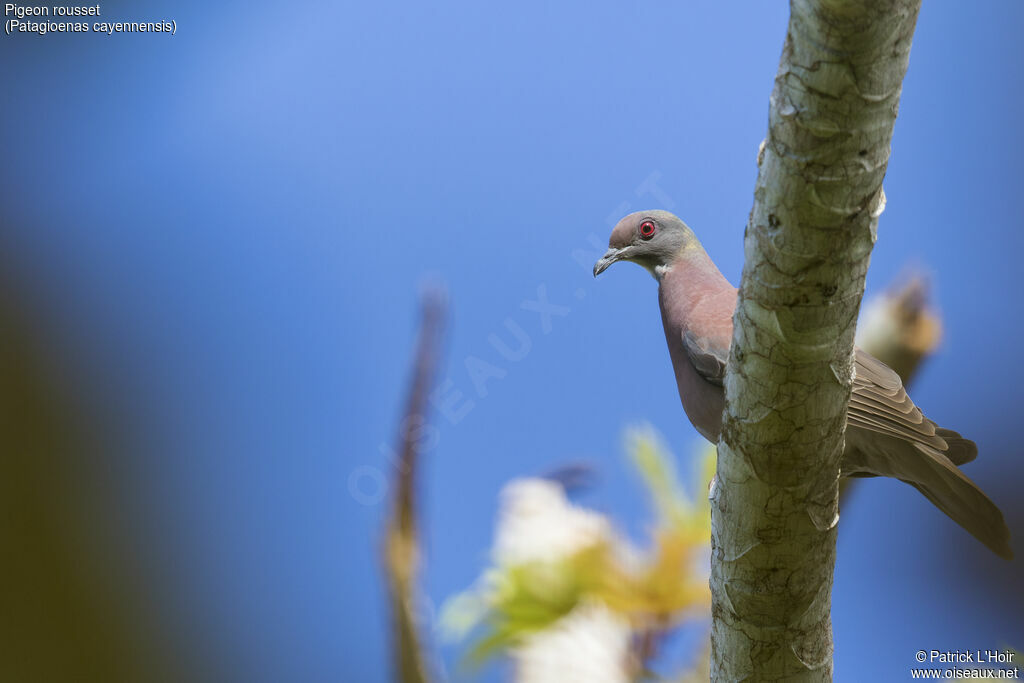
(886, 435)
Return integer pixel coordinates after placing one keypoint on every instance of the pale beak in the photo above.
(610, 257)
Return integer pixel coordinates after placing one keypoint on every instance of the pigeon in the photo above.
(886, 433)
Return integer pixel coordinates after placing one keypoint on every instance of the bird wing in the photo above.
(879, 403)
(708, 359)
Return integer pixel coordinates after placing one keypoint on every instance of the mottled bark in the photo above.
(808, 243)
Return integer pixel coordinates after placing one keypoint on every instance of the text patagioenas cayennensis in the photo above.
(886, 434)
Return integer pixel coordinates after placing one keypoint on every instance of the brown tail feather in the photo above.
(960, 450)
(934, 475)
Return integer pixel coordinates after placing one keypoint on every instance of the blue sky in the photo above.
(223, 233)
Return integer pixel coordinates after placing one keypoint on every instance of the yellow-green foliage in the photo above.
(667, 584)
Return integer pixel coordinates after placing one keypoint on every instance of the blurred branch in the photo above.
(899, 328)
(401, 558)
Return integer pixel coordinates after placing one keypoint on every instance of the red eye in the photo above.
(647, 230)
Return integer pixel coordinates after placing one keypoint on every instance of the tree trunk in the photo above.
(807, 247)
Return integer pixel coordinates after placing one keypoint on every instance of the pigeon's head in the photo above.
(651, 239)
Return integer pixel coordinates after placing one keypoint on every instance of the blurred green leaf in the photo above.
(660, 587)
